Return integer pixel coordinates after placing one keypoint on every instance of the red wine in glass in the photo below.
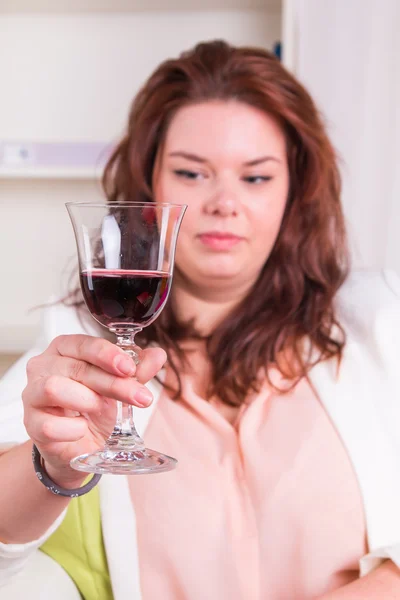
(126, 256)
(116, 297)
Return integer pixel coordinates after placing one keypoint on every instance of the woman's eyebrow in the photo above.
(200, 159)
(188, 156)
(258, 161)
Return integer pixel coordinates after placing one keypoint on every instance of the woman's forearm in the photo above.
(27, 508)
(381, 584)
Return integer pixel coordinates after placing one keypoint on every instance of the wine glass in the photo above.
(126, 258)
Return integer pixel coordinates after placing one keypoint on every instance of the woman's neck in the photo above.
(206, 307)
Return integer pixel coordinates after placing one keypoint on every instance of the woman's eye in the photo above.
(257, 179)
(187, 174)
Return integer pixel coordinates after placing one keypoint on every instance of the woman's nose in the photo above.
(223, 202)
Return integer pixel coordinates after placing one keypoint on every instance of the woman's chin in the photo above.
(223, 276)
(217, 274)
(223, 266)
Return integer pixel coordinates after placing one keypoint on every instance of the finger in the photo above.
(152, 360)
(46, 428)
(59, 391)
(125, 389)
(96, 351)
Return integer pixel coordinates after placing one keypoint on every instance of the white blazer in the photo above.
(363, 401)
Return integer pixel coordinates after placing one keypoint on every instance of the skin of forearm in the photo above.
(381, 584)
(27, 508)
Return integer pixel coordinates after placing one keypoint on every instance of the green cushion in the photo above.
(78, 547)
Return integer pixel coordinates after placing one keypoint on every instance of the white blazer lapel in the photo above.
(352, 399)
(119, 521)
(119, 535)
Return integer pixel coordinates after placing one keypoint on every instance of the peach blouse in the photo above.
(267, 508)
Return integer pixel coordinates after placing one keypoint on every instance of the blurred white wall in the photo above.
(72, 78)
(347, 54)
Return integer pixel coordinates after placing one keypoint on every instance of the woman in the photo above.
(280, 389)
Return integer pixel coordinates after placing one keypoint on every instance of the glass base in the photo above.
(124, 462)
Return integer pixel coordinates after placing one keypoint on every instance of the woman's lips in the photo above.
(217, 240)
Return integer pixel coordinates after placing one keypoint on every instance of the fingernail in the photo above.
(143, 397)
(125, 365)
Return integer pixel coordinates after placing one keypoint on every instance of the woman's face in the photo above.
(227, 162)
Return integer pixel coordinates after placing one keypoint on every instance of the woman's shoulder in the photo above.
(377, 284)
(61, 318)
(369, 302)
(370, 289)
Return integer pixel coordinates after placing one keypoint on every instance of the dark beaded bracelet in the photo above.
(53, 487)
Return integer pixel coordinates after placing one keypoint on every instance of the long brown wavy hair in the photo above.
(292, 302)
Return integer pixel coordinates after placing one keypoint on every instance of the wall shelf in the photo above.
(52, 160)
(42, 173)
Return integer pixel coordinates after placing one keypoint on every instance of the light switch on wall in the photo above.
(16, 155)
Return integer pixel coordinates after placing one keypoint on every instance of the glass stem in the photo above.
(125, 437)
